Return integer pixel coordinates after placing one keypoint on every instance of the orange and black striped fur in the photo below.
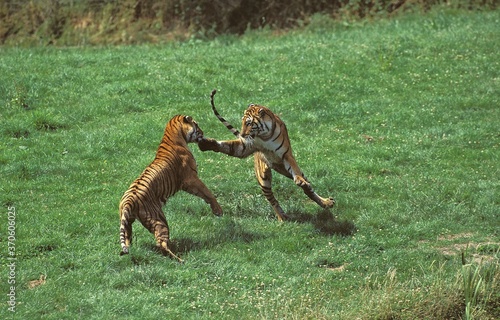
(173, 169)
(264, 135)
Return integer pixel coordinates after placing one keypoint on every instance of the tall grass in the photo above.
(480, 285)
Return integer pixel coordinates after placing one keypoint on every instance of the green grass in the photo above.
(397, 119)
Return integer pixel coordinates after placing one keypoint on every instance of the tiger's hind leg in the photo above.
(264, 177)
(322, 202)
(158, 226)
(125, 233)
(306, 187)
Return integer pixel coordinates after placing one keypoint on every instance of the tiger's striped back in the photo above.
(173, 169)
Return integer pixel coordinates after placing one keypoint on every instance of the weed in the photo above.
(479, 285)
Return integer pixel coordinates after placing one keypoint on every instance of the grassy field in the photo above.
(397, 119)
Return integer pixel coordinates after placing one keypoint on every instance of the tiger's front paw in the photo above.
(206, 144)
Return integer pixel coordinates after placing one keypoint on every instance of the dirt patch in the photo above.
(337, 269)
(450, 237)
(480, 252)
(35, 283)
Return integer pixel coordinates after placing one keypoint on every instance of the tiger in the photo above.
(264, 135)
(173, 169)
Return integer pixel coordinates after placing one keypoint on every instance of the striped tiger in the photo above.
(264, 135)
(173, 169)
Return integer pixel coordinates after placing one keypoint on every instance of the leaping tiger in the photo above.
(173, 169)
(265, 135)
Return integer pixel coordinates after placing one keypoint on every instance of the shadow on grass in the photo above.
(231, 232)
(41, 249)
(326, 223)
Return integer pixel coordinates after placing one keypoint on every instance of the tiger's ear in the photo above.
(262, 112)
(188, 119)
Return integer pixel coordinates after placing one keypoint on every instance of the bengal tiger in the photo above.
(265, 135)
(173, 169)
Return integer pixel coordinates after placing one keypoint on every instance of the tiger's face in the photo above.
(255, 122)
(193, 131)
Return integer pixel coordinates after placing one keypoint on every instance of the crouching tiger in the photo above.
(265, 135)
(173, 169)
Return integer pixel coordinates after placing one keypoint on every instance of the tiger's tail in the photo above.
(125, 229)
(221, 119)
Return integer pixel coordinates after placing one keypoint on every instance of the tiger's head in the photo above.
(191, 130)
(257, 121)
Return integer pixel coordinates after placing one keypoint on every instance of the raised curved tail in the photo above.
(221, 119)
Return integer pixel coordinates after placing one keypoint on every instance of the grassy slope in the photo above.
(396, 119)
